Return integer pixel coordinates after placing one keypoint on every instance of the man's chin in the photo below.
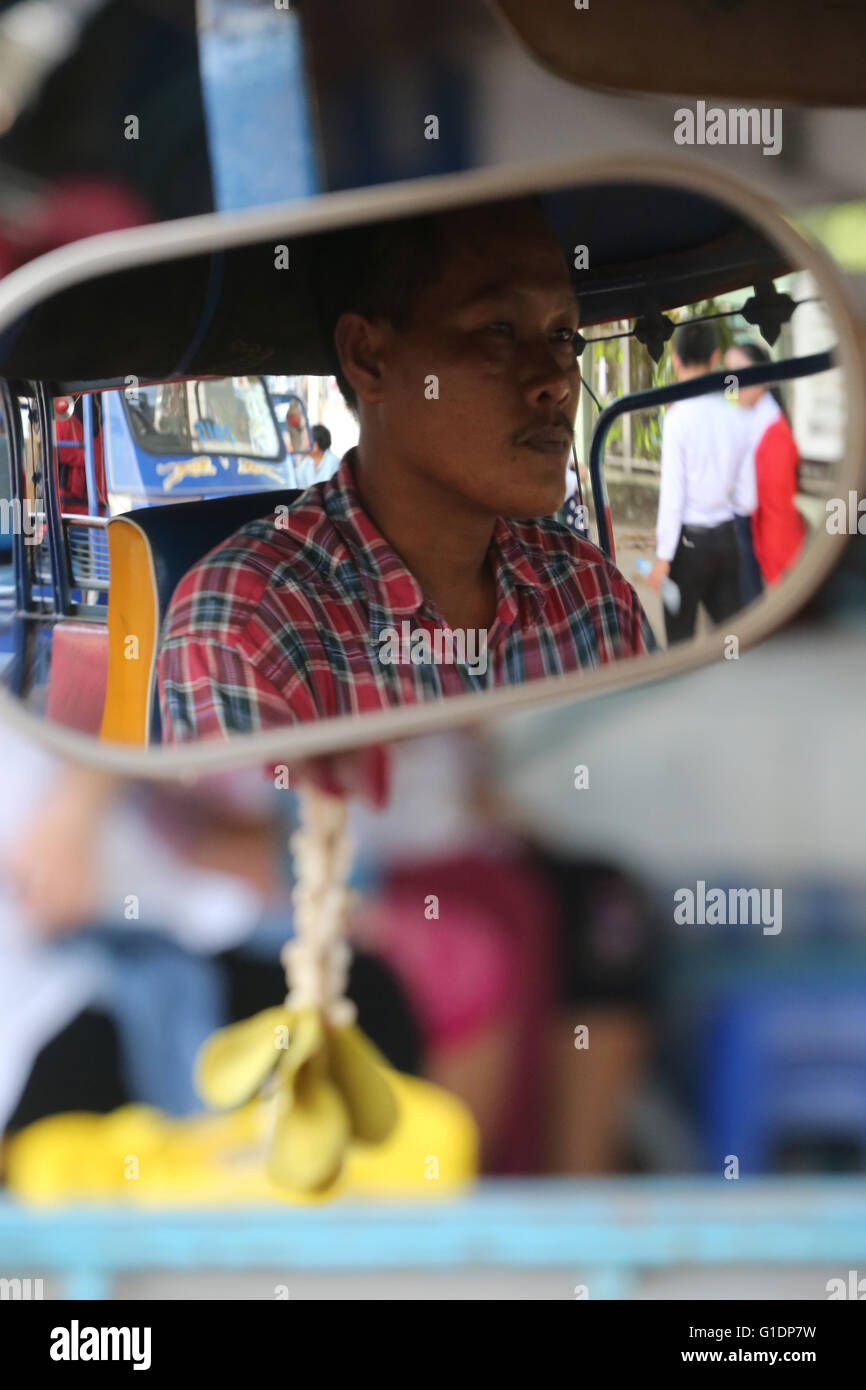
(521, 493)
(524, 503)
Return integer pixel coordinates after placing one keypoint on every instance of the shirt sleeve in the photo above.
(624, 627)
(210, 690)
(643, 638)
(672, 490)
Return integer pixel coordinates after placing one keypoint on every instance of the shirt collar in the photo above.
(391, 590)
(514, 570)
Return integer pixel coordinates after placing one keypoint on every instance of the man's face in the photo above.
(496, 332)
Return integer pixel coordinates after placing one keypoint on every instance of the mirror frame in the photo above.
(85, 260)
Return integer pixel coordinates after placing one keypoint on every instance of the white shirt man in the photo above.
(312, 469)
(707, 479)
(707, 470)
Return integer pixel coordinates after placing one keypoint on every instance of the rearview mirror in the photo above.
(349, 470)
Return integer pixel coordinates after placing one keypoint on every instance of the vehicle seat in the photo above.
(150, 550)
(77, 680)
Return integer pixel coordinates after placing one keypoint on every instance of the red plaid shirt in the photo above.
(292, 617)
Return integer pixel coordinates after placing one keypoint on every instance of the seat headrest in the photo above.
(180, 534)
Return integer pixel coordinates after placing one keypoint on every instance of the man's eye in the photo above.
(501, 328)
(564, 335)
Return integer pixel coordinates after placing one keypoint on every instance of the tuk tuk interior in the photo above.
(203, 320)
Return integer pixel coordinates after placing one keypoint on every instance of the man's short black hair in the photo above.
(381, 270)
(695, 343)
(321, 436)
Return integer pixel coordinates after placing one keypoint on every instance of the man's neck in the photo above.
(442, 542)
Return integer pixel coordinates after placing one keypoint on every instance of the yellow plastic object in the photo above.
(142, 1156)
(329, 1085)
(234, 1062)
(133, 623)
(312, 1132)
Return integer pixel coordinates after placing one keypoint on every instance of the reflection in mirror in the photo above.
(487, 447)
(710, 497)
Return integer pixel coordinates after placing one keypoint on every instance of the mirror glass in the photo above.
(518, 443)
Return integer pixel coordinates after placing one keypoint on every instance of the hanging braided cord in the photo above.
(317, 958)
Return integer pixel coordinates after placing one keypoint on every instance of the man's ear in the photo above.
(358, 342)
(716, 358)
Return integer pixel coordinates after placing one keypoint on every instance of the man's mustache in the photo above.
(558, 420)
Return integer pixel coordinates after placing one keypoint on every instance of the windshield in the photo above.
(228, 415)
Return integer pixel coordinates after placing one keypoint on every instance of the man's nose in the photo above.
(549, 383)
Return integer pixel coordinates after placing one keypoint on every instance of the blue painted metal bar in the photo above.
(613, 1227)
(15, 436)
(50, 492)
(15, 673)
(89, 470)
(787, 370)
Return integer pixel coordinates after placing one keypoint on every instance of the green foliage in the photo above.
(646, 425)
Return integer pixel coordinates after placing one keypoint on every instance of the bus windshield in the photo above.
(226, 415)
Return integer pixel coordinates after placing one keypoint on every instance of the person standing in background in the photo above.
(706, 482)
(295, 429)
(71, 472)
(320, 463)
(778, 529)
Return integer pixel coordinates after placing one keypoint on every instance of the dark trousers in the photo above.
(751, 580)
(705, 569)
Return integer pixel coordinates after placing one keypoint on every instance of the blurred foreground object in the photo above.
(103, 90)
(327, 1082)
(36, 36)
(749, 49)
(217, 1160)
(328, 1085)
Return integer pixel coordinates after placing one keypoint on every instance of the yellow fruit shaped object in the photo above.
(312, 1130)
(328, 1084)
(361, 1073)
(234, 1063)
(432, 1151)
